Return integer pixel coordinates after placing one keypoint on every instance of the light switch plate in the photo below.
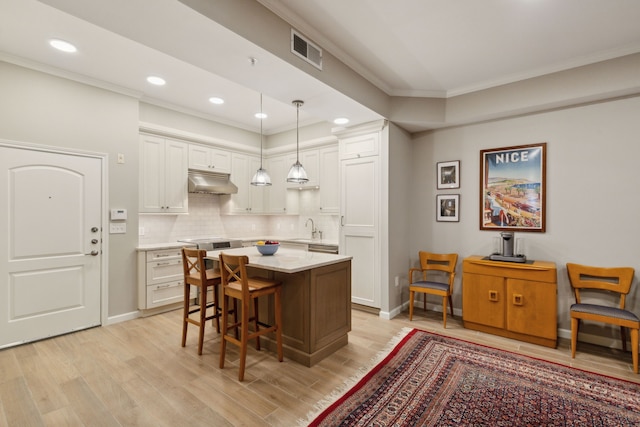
(117, 228)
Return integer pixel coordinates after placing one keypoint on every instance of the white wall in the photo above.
(592, 191)
(43, 109)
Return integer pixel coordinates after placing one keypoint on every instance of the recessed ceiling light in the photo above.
(341, 121)
(63, 46)
(260, 116)
(155, 80)
(216, 100)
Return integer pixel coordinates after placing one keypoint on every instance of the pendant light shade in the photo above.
(261, 177)
(297, 173)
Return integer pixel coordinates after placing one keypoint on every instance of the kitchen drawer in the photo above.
(164, 254)
(163, 294)
(164, 271)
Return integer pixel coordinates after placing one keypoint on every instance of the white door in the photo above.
(50, 256)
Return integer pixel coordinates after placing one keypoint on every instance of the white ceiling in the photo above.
(426, 48)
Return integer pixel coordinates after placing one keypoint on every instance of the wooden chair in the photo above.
(238, 285)
(195, 274)
(431, 263)
(610, 279)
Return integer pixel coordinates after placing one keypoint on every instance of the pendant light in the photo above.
(261, 178)
(297, 173)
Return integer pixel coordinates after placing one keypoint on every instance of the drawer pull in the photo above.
(163, 286)
(517, 299)
(493, 296)
(163, 263)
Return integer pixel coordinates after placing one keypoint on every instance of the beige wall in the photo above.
(38, 108)
(591, 177)
(592, 190)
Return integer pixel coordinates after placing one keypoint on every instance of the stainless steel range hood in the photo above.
(210, 182)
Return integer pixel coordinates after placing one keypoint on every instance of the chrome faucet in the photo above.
(314, 230)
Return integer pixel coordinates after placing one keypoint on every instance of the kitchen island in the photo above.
(316, 299)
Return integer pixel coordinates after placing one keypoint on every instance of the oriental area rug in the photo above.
(431, 380)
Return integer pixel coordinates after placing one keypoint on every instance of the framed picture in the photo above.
(513, 188)
(448, 206)
(449, 175)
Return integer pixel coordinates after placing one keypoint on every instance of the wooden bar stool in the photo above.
(195, 274)
(237, 285)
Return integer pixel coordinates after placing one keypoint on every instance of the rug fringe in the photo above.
(326, 401)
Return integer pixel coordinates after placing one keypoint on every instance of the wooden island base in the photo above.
(316, 312)
(316, 300)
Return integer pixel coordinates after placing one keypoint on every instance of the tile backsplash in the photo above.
(204, 220)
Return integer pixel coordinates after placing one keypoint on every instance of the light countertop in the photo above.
(292, 240)
(286, 260)
(160, 246)
(172, 245)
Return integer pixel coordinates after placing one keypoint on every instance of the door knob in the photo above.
(93, 253)
(94, 241)
(94, 229)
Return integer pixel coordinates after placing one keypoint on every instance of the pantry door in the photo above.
(51, 250)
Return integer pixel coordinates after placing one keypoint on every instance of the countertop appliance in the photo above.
(324, 248)
(507, 250)
(213, 243)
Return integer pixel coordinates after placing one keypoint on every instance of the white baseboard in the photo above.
(122, 318)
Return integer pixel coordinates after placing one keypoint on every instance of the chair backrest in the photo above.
(613, 279)
(233, 268)
(193, 265)
(445, 263)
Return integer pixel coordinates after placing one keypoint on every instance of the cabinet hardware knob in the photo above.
(493, 295)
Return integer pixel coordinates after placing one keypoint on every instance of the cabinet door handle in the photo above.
(517, 299)
(493, 296)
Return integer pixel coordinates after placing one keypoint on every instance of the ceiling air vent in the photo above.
(306, 50)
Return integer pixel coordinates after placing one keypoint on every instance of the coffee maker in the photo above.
(507, 254)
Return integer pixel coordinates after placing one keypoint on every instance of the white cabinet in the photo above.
(209, 159)
(160, 278)
(281, 199)
(360, 146)
(359, 233)
(249, 199)
(329, 180)
(310, 160)
(163, 175)
(360, 214)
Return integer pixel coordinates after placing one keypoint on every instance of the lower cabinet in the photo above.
(160, 279)
(513, 300)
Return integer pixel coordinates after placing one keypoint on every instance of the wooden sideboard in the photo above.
(513, 300)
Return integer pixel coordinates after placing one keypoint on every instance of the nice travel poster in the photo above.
(512, 187)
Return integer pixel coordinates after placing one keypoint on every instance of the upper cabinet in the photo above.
(311, 162)
(163, 175)
(280, 200)
(359, 146)
(249, 199)
(209, 159)
(329, 179)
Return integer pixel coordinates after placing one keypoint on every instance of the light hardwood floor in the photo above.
(136, 374)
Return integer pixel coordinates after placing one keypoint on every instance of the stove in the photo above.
(213, 243)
